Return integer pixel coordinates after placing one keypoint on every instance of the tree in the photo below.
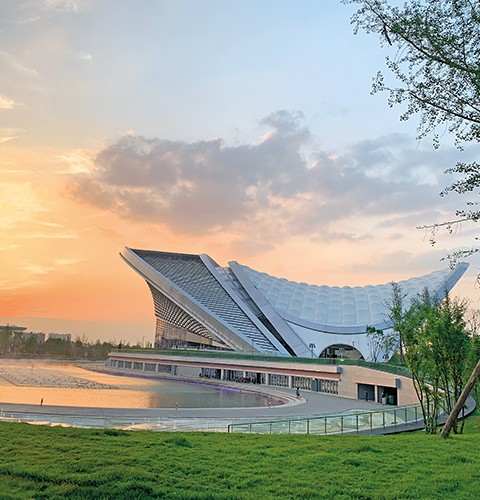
(408, 321)
(472, 318)
(435, 62)
(449, 348)
(418, 356)
(381, 343)
(475, 357)
(436, 65)
(31, 346)
(396, 316)
(436, 348)
(57, 347)
(6, 335)
(461, 401)
(374, 341)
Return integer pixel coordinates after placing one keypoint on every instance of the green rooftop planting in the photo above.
(385, 367)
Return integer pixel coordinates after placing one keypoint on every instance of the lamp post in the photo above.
(312, 347)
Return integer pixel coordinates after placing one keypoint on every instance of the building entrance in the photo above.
(387, 395)
(366, 392)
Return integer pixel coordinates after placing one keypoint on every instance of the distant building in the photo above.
(67, 337)
(12, 329)
(200, 304)
(39, 337)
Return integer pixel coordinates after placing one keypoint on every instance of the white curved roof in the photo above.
(324, 306)
(249, 311)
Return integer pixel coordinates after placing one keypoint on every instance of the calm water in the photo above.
(65, 384)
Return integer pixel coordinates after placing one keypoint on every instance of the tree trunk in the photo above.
(461, 401)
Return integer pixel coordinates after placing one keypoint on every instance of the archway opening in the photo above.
(341, 351)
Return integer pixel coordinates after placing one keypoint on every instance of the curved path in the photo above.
(309, 405)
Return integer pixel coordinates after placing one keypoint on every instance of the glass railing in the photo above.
(340, 423)
(127, 423)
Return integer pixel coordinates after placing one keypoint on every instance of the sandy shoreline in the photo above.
(38, 373)
(89, 384)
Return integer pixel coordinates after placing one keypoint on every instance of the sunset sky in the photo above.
(241, 129)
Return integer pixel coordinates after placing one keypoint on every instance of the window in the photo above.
(327, 386)
(304, 383)
(278, 380)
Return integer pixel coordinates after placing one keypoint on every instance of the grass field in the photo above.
(45, 462)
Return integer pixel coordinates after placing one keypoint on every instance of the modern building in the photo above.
(200, 304)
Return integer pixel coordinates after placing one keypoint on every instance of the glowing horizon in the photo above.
(228, 129)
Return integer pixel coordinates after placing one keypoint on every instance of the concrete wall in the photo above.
(351, 376)
(352, 380)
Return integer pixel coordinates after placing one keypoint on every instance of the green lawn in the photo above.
(45, 462)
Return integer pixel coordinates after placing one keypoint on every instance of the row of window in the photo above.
(148, 367)
(274, 379)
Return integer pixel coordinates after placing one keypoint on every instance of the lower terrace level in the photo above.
(355, 382)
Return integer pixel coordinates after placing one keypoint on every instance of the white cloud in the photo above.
(17, 65)
(17, 284)
(8, 247)
(35, 269)
(18, 203)
(7, 103)
(5, 139)
(78, 161)
(73, 6)
(85, 56)
(36, 11)
(67, 262)
(48, 236)
(9, 134)
(50, 224)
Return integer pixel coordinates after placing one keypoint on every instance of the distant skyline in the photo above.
(244, 130)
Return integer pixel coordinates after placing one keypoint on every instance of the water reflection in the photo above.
(66, 384)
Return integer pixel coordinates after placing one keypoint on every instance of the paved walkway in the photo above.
(214, 419)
